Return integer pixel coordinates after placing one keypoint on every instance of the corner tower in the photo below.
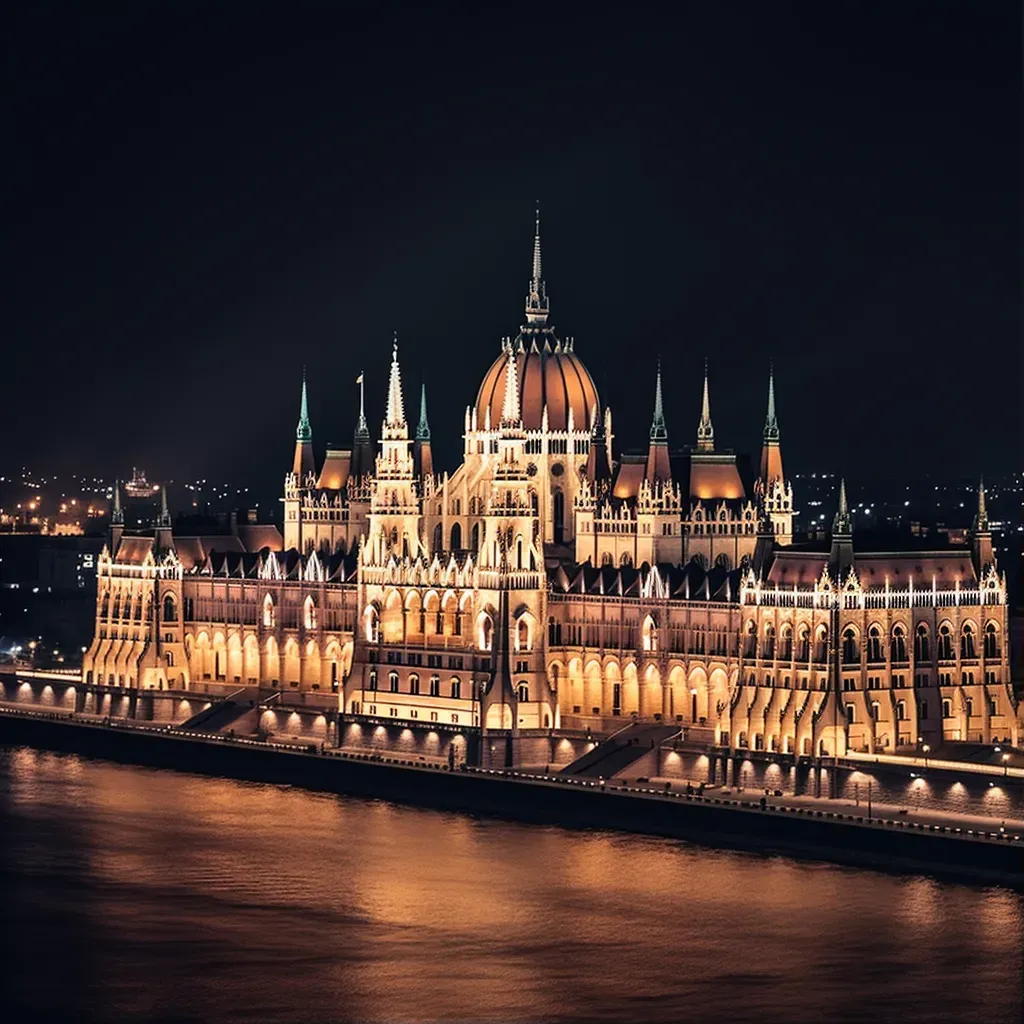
(771, 488)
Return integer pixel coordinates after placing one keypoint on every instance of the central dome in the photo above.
(555, 376)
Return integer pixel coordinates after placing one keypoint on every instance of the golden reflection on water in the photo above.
(226, 900)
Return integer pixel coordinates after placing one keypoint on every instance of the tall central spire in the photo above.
(658, 429)
(537, 300)
(842, 523)
(396, 407)
(981, 519)
(705, 431)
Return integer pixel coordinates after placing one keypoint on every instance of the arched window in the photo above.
(435, 686)
(474, 543)
(875, 644)
(519, 553)
(786, 642)
(558, 515)
(269, 616)
(921, 643)
(484, 632)
(371, 623)
(414, 683)
(821, 644)
(523, 635)
(393, 682)
(968, 648)
(901, 710)
(898, 644)
(650, 634)
(769, 641)
(170, 608)
(969, 705)
(851, 715)
(947, 709)
(991, 640)
(523, 693)
(945, 643)
(309, 612)
(804, 651)
(626, 560)
(456, 688)
(438, 538)
(849, 646)
(456, 537)
(750, 649)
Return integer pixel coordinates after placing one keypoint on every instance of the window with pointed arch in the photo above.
(523, 635)
(945, 642)
(484, 633)
(269, 612)
(804, 649)
(170, 608)
(438, 538)
(649, 634)
(769, 641)
(523, 693)
(371, 624)
(309, 612)
(456, 537)
(991, 640)
(898, 644)
(875, 644)
(786, 642)
(850, 654)
(750, 647)
(921, 646)
(968, 648)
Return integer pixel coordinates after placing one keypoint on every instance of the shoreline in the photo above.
(714, 821)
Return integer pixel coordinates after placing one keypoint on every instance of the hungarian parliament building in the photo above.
(552, 582)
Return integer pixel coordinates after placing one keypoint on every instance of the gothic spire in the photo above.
(705, 431)
(117, 514)
(658, 430)
(842, 522)
(423, 427)
(771, 424)
(537, 299)
(303, 432)
(165, 515)
(396, 408)
(981, 519)
(362, 430)
(510, 410)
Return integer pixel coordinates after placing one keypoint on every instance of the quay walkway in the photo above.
(964, 828)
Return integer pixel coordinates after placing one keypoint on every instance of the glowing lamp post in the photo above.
(1006, 765)
(926, 749)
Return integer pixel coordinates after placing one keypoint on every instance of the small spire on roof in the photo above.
(303, 432)
(658, 429)
(705, 431)
(981, 519)
(396, 407)
(117, 515)
(362, 430)
(423, 427)
(842, 523)
(165, 515)
(771, 423)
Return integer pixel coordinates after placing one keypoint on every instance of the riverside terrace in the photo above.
(947, 849)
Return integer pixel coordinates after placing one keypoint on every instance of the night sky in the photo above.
(203, 202)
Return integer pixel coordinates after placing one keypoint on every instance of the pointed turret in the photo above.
(841, 557)
(116, 520)
(982, 552)
(362, 444)
(303, 462)
(771, 451)
(511, 415)
(537, 299)
(422, 455)
(164, 537)
(394, 419)
(705, 431)
(658, 467)
(598, 468)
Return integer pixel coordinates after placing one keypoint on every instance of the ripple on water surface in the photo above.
(138, 894)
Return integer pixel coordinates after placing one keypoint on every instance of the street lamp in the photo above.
(926, 748)
(1006, 765)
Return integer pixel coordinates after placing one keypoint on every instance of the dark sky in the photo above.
(202, 202)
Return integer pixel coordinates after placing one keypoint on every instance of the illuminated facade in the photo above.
(553, 582)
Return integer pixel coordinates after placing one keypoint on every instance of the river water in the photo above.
(134, 894)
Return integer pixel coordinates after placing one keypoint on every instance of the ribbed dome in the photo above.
(556, 376)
